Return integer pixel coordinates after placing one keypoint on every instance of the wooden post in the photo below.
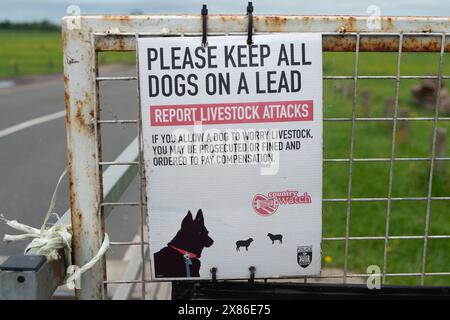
(389, 105)
(440, 148)
(51, 64)
(388, 111)
(337, 86)
(403, 126)
(347, 89)
(365, 96)
(16, 68)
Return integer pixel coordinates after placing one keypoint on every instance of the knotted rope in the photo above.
(50, 240)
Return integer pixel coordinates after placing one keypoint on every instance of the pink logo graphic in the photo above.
(264, 206)
(268, 205)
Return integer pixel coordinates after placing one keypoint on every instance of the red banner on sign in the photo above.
(228, 113)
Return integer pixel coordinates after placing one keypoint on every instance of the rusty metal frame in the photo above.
(85, 36)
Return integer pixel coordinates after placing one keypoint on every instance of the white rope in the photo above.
(47, 242)
(50, 241)
(75, 273)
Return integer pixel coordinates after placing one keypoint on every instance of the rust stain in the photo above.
(71, 184)
(56, 266)
(77, 226)
(341, 43)
(347, 43)
(67, 100)
(79, 113)
(306, 19)
(416, 44)
(387, 24)
(119, 43)
(116, 17)
(222, 17)
(66, 79)
(350, 24)
(64, 39)
(84, 121)
(76, 216)
(346, 24)
(114, 43)
(68, 122)
(276, 23)
(388, 44)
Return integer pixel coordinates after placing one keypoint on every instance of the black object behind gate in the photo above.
(286, 291)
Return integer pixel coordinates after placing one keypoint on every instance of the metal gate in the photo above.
(85, 36)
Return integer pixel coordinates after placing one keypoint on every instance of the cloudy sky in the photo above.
(53, 10)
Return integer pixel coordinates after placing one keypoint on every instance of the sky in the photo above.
(53, 10)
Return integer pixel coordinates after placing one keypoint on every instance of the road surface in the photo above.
(33, 152)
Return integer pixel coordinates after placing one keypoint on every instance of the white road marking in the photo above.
(32, 123)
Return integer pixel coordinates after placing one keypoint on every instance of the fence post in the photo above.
(365, 103)
(403, 126)
(440, 148)
(389, 104)
(83, 154)
(346, 90)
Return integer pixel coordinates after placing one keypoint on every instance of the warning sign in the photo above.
(233, 155)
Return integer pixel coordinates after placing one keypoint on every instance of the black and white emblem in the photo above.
(304, 256)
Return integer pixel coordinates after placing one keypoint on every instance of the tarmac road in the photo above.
(33, 152)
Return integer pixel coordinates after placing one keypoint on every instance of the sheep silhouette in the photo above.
(243, 243)
(274, 237)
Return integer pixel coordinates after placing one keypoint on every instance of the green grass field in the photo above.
(29, 52)
(37, 52)
(370, 179)
(23, 53)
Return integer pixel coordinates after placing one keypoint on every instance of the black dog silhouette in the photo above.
(243, 243)
(170, 262)
(274, 237)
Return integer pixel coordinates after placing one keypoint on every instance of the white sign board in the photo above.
(233, 155)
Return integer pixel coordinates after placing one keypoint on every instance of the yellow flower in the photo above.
(389, 249)
(328, 259)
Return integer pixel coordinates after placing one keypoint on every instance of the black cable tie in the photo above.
(252, 270)
(250, 23)
(214, 274)
(204, 13)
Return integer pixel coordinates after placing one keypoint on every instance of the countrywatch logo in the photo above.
(268, 205)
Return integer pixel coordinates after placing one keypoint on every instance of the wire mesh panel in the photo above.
(386, 121)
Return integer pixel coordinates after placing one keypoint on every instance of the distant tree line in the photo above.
(43, 25)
